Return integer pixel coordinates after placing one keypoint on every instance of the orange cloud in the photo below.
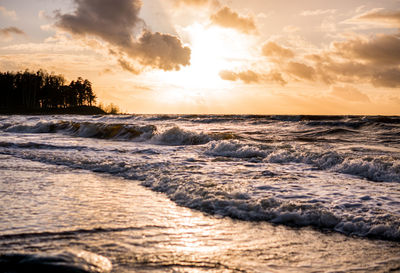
(125, 65)
(384, 49)
(317, 12)
(387, 78)
(192, 2)
(373, 60)
(249, 77)
(272, 49)
(391, 18)
(301, 70)
(227, 18)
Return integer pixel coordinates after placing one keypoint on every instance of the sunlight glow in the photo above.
(213, 50)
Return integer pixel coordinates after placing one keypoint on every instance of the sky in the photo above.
(215, 56)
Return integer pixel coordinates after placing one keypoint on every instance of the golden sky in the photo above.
(215, 56)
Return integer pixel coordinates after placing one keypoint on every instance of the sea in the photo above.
(199, 193)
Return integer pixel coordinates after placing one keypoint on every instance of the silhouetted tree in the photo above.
(27, 90)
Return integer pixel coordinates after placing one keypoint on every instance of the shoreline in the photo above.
(79, 110)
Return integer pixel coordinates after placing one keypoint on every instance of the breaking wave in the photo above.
(220, 166)
(171, 136)
(379, 168)
(86, 129)
(212, 198)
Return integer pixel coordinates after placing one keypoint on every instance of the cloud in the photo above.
(247, 76)
(228, 75)
(6, 33)
(197, 3)
(349, 93)
(250, 77)
(125, 65)
(192, 2)
(317, 12)
(380, 16)
(372, 60)
(383, 49)
(227, 18)
(332, 71)
(160, 51)
(301, 70)
(291, 29)
(386, 78)
(116, 22)
(113, 21)
(44, 16)
(8, 13)
(272, 49)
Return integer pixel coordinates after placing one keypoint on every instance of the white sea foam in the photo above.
(247, 171)
(380, 168)
(178, 136)
(234, 149)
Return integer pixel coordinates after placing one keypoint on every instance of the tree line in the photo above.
(41, 90)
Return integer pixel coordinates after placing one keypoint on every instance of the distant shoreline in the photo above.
(77, 110)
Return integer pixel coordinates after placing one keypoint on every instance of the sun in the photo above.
(213, 49)
(198, 87)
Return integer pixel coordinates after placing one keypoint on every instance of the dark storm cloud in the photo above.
(228, 18)
(115, 22)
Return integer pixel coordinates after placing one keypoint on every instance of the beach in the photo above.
(207, 193)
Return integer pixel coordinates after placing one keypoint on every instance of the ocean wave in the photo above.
(379, 168)
(238, 196)
(178, 136)
(34, 145)
(238, 171)
(234, 149)
(214, 199)
(169, 136)
(40, 127)
(330, 131)
(229, 144)
(68, 233)
(70, 261)
(354, 124)
(87, 129)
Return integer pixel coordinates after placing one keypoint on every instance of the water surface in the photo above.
(201, 193)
